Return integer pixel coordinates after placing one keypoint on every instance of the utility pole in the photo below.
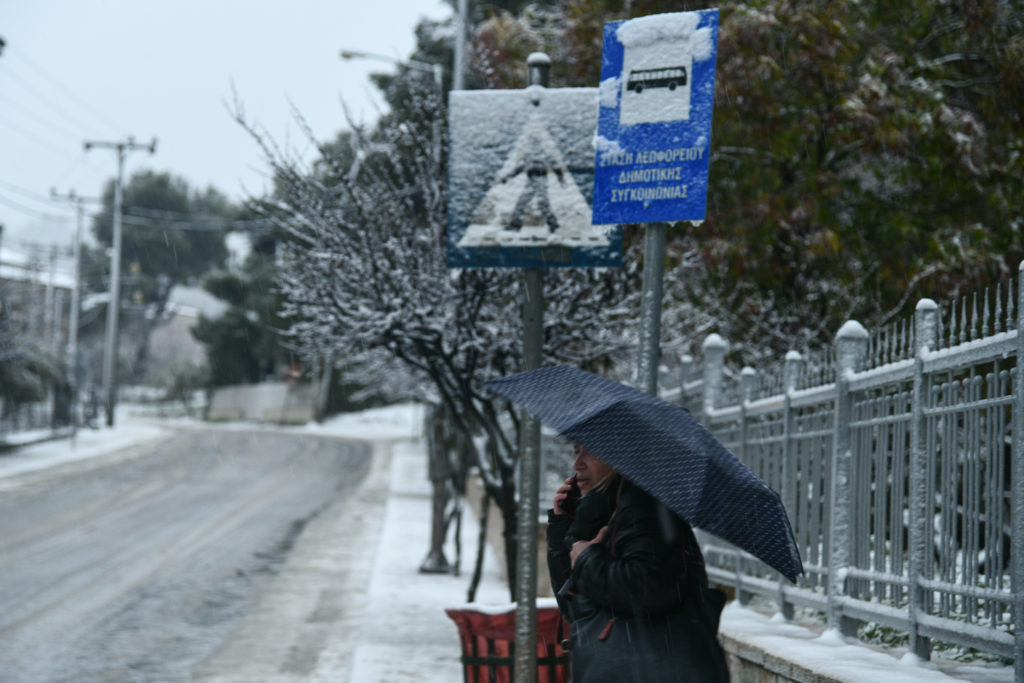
(459, 62)
(114, 303)
(76, 289)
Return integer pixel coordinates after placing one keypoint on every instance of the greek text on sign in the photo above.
(654, 118)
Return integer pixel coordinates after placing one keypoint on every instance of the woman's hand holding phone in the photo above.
(566, 497)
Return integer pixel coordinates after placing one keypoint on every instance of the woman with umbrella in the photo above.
(630, 579)
(626, 568)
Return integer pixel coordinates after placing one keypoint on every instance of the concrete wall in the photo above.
(751, 664)
(275, 402)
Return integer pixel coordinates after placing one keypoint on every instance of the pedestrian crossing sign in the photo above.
(520, 181)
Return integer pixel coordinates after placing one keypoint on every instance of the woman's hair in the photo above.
(607, 481)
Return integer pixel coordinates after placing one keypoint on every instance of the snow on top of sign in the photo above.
(671, 28)
(476, 112)
(605, 146)
(608, 93)
(536, 93)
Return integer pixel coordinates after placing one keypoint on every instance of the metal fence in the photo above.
(26, 417)
(899, 456)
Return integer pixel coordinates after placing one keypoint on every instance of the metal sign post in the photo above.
(524, 666)
(650, 312)
(653, 139)
(520, 177)
(525, 662)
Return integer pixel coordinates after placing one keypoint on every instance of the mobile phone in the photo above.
(573, 498)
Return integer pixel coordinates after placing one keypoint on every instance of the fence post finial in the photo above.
(851, 347)
(748, 382)
(926, 326)
(714, 349)
(791, 370)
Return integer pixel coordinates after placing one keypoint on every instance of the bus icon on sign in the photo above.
(651, 90)
(669, 77)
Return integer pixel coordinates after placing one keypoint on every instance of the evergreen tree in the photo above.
(170, 234)
(244, 345)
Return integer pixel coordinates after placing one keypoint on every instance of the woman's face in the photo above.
(590, 471)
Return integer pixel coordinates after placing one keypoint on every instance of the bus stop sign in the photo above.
(654, 118)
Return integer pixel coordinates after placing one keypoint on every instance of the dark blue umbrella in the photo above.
(662, 449)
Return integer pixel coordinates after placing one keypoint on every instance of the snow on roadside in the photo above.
(87, 443)
(402, 421)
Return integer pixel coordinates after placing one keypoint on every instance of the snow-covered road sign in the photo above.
(654, 122)
(520, 176)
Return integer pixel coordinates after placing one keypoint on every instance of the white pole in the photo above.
(114, 300)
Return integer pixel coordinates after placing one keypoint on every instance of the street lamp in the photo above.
(427, 67)
(417, 64)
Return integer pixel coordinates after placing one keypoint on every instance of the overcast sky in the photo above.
(103, 70)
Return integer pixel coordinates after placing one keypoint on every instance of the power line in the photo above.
(43, 119)
(62, 111)
(49, 200)
(32, 213)
(63, 153)
(52, 105)
(208, 224)
(94, 111)
(31, 246)
(159, 218)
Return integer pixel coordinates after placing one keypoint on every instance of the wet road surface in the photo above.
(136, 566)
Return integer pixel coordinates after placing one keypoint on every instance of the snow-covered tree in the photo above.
(364, 272)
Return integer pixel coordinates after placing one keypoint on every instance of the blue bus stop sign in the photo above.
(654, 119)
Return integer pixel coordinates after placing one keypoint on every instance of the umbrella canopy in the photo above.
(662, 449)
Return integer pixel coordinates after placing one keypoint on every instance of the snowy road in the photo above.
(137, 565)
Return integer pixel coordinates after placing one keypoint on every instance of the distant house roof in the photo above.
(194, 301)
(17, 266)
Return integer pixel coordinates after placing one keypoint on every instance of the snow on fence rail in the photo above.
(901, 467)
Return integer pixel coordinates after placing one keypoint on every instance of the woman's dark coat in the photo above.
(638, 603)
